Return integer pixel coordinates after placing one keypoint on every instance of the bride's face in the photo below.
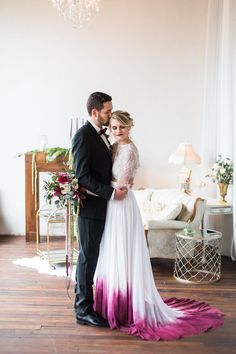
(120, 132)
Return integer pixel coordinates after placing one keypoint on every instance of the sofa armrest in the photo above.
(198, 212)
(165, 224)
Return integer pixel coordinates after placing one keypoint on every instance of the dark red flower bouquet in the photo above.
(62, 188)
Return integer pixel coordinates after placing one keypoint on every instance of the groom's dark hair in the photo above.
(96, 100)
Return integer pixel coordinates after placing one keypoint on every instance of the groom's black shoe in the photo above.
(102, 320)
(91, 319)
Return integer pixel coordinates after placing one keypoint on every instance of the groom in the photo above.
(93, 167)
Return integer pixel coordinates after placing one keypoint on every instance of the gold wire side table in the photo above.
(198, 256)
(46, 250)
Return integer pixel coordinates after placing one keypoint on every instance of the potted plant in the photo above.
(222, 174)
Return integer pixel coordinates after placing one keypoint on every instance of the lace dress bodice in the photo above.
(125, 163)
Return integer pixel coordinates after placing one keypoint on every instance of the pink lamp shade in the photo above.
(185, 155)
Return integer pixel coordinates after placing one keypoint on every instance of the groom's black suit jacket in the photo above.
(93, 168)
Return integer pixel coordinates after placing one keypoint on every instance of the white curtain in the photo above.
(219, 127)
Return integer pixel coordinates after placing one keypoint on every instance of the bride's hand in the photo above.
(120, 193)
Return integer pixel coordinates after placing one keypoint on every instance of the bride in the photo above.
(126, 294)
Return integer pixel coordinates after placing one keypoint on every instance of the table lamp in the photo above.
(185, 155)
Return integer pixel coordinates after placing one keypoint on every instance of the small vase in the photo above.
(223, 187)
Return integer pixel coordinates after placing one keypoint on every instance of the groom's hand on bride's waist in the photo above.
(120, 193)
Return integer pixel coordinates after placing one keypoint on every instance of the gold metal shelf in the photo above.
(57, 256)
(45, 249)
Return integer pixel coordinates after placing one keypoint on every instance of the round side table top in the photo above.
(199, 234)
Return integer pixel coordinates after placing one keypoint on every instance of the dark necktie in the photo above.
(102, 131)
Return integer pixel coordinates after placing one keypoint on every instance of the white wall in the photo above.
(148, 54)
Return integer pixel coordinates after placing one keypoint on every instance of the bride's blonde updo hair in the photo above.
(123, 117)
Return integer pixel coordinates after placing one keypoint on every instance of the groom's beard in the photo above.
(103, 121)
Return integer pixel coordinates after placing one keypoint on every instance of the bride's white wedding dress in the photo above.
(125, 290)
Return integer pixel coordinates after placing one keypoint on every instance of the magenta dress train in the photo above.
(125, 292)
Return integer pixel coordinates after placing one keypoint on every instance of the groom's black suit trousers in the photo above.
(90, 231)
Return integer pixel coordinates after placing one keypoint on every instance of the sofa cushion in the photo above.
(170, 212)
(142, 195)
(150, 209)
(164, 225)
(170, 196)
(154, 210)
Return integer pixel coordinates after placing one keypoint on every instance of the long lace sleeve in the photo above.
(126, 163)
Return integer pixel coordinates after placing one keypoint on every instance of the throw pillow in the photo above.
(149, 209)
(170, 212)
(142, 195)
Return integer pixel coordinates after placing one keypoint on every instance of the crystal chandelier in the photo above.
(76, 11)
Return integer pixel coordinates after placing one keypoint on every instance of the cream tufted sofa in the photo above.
(164, 211)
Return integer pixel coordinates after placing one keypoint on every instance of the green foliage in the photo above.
(51, 153)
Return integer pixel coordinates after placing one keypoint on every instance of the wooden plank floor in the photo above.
(36, 315)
